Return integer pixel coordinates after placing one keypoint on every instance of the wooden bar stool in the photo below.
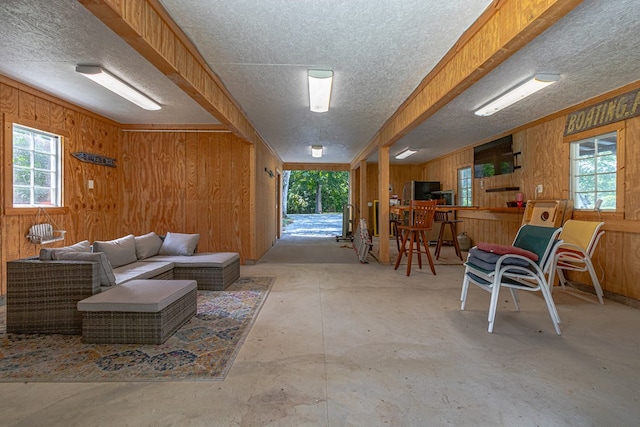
(443, 218)
(420, 220)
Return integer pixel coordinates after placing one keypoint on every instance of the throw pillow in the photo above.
(147, 245)
(47, 254)
(105, 272)
(506, 249)
(119, 252)
(179, 244)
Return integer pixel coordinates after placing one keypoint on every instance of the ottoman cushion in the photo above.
(138, 312)
(140, 296)
(205, 259)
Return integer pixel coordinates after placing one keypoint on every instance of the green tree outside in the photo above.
(316, 192)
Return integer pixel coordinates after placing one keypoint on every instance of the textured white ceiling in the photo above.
(41, 42)
(380, 51)
(594, 49)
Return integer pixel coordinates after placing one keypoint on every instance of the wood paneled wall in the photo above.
(545, 160)
(88, 214)
(192, 182)
(200, 182)
(398, 176)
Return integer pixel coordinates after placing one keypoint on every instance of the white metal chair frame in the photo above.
(573, 257)
(531, 278)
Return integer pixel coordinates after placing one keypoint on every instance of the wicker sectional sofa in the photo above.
(43, 292)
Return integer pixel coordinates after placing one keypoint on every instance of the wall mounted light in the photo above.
(406, 153)
(117, 86)
(316, 151)
(320, 82)
(531, 86)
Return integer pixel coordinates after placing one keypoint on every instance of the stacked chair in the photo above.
(523, 266)
(579, 242)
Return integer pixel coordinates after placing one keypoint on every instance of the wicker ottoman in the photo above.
(214, 271)
(138, 312)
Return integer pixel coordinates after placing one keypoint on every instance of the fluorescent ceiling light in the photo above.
(320, 90)
(406, 153)
(316, 151)
(117, 86)
(539, 81)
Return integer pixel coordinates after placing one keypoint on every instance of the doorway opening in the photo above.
(313, 202)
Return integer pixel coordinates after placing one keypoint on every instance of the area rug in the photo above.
(203, 349)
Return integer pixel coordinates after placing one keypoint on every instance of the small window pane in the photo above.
(42, 161)
(586, 183)
(21, 196)
(22, 140)
(43, 179)
(36, 168)
(464, 187)
(21, 177)
(607, 182)
(22, 158)
(43, 196)
(594, 171)
(587, 166)
(44, 144)
(607, 163)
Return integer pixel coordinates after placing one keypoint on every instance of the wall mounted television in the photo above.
(493, 158)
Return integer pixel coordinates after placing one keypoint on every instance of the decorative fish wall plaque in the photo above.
(95, 159)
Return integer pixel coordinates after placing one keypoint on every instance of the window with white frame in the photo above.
(465, 186)
(36, 168)
(593, 171)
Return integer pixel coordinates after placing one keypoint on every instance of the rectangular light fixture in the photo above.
(117, 86)
(406, 153)
(316, 151)
(531, 86)
(320, 82)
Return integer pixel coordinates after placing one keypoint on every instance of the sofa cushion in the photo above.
(119, 252)
(179, 244)
(105, 272)
(140, 270)
(47, 254)
(147, 245)
(202, 259)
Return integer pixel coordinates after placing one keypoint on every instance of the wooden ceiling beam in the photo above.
(503, 29)
(147, 27)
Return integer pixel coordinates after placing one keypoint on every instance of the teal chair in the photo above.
(524, 266)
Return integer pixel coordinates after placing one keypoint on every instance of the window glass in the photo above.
(593, 171)
(465, 187)
(36, 168)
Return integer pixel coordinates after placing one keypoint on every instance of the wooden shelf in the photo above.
(495, 190)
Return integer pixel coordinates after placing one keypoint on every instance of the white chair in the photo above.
(579, 242)
(514, 270)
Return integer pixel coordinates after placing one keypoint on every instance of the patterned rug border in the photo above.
(168, 362)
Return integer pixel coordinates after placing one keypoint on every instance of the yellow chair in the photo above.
(579, 242)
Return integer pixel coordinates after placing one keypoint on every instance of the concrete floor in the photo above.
(364, 345)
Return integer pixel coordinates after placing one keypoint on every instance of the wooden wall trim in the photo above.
(504, 28)
(47, 97)
(174, 127)
(316, 166)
